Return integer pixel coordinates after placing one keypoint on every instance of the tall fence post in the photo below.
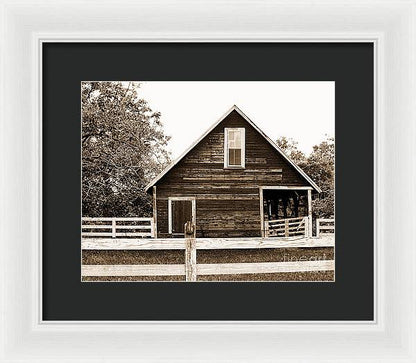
(152, 228)
(113, 228)
(286, 228)
(317, 227)
(190, 251)
(266, 229)
(306, 225)
(310, 213)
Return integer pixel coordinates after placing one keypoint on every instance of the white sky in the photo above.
(304, 111)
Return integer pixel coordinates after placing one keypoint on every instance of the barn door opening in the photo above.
(181, 210)
(280, 203)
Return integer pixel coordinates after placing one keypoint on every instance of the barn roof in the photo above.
(234, 108)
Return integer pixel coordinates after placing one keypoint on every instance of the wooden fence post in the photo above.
(154, 221)
(305, 230)
(310, 213)
(317, 227)
(190, 251)
(152, 228)
(286, 228)
(113, 228)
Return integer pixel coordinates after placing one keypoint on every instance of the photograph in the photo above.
(208, 181)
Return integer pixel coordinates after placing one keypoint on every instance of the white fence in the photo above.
(208, 269)
(191, 269)
(93, 238)
(287, 227)
(204, 243)
(325, 225)
(117, 227)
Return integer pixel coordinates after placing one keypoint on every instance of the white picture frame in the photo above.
(25, 25)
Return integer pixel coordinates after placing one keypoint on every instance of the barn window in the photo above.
(234, 147)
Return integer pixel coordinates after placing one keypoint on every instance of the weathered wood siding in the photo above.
(227, 200)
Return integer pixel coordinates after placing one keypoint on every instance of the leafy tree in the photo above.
(290, 148)
(320, 166)
(123, 148)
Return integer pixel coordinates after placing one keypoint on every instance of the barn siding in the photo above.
(227, 200)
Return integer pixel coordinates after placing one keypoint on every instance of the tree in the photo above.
(320, 166)
(123, 148)
(290, 148)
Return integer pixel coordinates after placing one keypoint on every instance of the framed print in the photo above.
(217, 183)
(259, 207)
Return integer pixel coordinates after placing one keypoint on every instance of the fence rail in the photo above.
(117, 227)
(287, 227)
(208, 269)
(204, 243)
(325, 226)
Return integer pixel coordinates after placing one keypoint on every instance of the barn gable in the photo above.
(218, 158)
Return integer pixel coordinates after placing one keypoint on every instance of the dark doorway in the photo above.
(281, 204)
(181, 213)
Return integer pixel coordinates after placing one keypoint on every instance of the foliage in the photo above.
(320, 166)
(123, 148)
(290, 148)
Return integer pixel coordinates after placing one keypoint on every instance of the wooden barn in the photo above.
(233, 181)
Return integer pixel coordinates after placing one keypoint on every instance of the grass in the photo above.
(90, 257)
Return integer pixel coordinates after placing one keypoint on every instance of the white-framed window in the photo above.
(234, 147)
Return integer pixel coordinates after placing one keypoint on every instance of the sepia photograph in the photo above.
(208, 181)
